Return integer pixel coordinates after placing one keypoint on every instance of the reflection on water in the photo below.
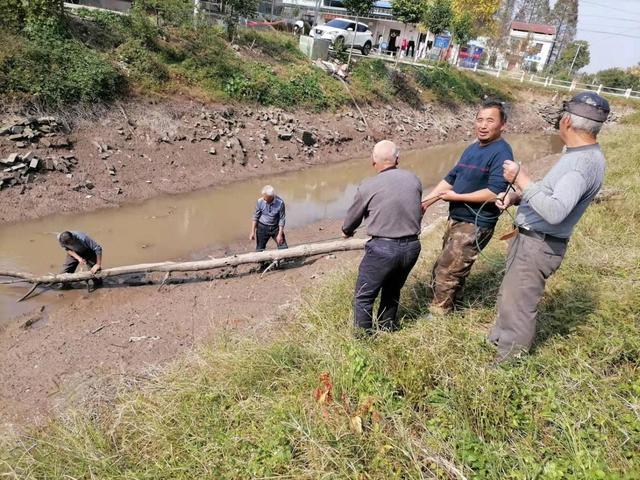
(170, 227)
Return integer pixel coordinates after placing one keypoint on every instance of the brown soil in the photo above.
(115, 334)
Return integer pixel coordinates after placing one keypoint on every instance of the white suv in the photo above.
(340, 32)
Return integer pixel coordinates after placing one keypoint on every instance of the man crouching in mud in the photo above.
(81, 250)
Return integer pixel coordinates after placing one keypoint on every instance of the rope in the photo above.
(479, 215)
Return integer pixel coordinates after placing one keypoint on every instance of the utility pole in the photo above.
(574, 58)
(317, 12)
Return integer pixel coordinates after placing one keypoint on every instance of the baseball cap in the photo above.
(588, 105)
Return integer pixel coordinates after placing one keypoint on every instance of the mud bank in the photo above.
(143, 149)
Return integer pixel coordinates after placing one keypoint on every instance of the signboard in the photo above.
(469, 56)
(441, 41)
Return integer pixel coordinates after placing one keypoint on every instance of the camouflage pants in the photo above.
(459, 252)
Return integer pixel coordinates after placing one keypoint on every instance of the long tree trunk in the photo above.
(299, 251)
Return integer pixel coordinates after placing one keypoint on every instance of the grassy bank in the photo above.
(98, 56)
(424, 402)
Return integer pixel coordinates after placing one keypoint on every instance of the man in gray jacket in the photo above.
(391, 201)
(548, 212)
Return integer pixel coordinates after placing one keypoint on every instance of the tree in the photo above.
(618, 78)
(357, 8)
(409, 11)
(438, 16)
(572, 59)
(533, 11)
(233, 10)
(462, 31)
(480, 13)
(564, 17)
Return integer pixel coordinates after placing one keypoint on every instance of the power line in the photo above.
(610, 18)
(613, 34)
(609, 7)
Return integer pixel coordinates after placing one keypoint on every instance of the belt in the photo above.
(407, 239)
(541, 236)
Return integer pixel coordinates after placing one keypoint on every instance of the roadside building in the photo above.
(529, 47)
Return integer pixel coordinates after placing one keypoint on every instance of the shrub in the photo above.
(449, 84)
(59, 71)
(142, 64)
(279, 46)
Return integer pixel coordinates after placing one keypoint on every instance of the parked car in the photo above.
(341, 32)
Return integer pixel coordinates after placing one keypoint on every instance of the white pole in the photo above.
(522, 77)
(600, 89)
(574, 58)
(353, 41)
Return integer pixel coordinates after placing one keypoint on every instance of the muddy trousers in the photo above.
(459, 252)
(384, 269)
(266, 232)
(530, 262)
(71, 264)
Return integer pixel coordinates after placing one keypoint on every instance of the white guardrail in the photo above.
(555, 83)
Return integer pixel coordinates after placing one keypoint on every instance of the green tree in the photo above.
(618, 78)
(462, 27)
(233, 10)
(357, 8)
(409, 11)
(438, 16)
(564, 17)
(572, 59)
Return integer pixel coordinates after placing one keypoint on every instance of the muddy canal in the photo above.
(183, 226)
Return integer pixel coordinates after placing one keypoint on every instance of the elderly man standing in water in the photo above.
(391, 203)
(269, 219)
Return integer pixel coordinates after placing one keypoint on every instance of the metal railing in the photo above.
(552, 82)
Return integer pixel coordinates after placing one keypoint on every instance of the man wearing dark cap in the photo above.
(390, 202)
(548, 212)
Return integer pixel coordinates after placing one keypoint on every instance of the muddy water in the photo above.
(172, 227)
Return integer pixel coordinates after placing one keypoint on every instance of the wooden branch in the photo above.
(299, 251)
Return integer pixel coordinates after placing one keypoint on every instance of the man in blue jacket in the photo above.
(477, 178)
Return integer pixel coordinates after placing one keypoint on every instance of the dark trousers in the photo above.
(70, 264)
(384, 269)
(264, 233)
(410, 48)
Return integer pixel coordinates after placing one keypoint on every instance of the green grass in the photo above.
(112, 55)
(412, 404)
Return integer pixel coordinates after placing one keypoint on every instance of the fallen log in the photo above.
(305, 250)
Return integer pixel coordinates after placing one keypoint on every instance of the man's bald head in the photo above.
(385, 154)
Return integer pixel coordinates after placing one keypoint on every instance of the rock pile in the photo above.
(20, 169)
(26, 131)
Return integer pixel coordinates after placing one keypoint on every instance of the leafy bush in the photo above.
(278, 46)
(142, 64)
(59, 71)
(449, 84)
